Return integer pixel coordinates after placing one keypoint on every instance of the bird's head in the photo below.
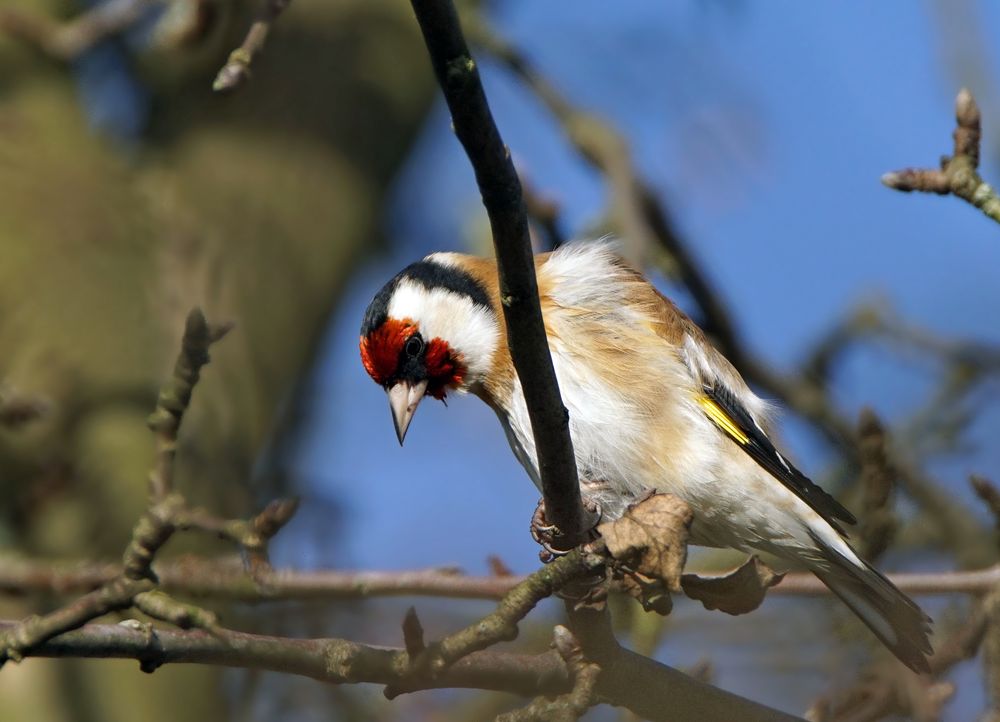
(430, 330)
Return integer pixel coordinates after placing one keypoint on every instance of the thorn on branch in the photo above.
(958, 174)
(498, 567)
(413, 634)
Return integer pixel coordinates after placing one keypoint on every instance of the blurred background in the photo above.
(129, 193)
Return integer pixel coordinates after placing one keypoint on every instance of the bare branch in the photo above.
(500, 188)
(501, 624)
(652, 690)
(878, 523)
(175, 396)
(237, 68)
(67, 41)
(134, 585)
(958, 174)
(572, 705)
(227, 579)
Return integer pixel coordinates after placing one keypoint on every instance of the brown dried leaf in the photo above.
(651, 538)
(738, 592)
(651, 593)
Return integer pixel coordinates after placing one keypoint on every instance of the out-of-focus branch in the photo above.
(237, 68)
(500, 188)
(175, 396)
(17, 410)
(645, 221)
(878, 523)
(958, 174)
(135, 584)
(227, 579)
(68, 40)
(885, 689)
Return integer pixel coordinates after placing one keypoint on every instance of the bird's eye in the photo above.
(414, 345)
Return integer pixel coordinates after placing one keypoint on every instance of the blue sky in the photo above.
(766, 127)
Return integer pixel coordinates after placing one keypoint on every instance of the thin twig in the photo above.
(236, 71)
(227, 579)
(67, 41)
(134, 585)
(500, 188)
(571, 706)
(175, 396)
(958, 174)
(501, 624)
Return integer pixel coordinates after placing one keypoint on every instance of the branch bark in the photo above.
(227, 579)
(650, 689)
(236, 71)
(958, 174)
(500, 188)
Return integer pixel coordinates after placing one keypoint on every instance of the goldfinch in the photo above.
(652, 406)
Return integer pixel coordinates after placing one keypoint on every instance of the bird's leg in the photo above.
(549, 535)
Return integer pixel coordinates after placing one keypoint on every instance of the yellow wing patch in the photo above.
(722, 420)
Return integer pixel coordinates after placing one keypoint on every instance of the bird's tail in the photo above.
(891, 615)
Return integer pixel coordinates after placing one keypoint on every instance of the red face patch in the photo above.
(380, 349)
(444, 368)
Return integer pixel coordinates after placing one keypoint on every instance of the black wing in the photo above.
(732, 418)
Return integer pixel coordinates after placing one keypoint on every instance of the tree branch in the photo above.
(958, 174)
(652, 690)
(227, 579)
(134, 585)
(501, 193)
(236, 71)
(68, 40)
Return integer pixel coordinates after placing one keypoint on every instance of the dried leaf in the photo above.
(651, 593)
(651, 538)
(738, 592)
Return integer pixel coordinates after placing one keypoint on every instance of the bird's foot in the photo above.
(551, 538)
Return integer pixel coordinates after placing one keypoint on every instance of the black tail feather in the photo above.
(896, 620)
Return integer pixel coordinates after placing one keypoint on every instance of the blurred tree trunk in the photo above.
(255, 207)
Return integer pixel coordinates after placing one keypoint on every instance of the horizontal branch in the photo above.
(227, 579)
(667, 694)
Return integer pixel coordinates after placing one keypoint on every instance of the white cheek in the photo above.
(467, 327)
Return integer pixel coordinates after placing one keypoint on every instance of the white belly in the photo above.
(735, 502)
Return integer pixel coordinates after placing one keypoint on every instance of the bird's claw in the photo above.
(548, 535)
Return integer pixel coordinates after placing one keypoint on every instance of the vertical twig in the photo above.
(502, 196)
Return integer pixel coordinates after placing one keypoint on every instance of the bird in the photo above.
(653, 407)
